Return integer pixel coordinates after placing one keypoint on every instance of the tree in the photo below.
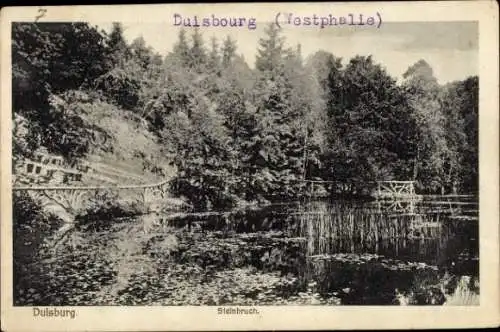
(283, 147)
(121, 86)
(228, 51)
(423, 93)
(309, 104)
(68, 55)
(367, 115)
(202, 156)
(143, 54)
(198, 56)
(271, 49)
(118, 47)
(49, 59)
(181, 49)
(459, 104)
(214, 58)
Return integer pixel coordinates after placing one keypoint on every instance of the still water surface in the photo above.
(309, 253)
(342, 252)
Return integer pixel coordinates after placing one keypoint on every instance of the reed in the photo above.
(327, 227)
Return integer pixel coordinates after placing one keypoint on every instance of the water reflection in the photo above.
(423, 252)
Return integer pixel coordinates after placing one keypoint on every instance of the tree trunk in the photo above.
(415, 165)
(304, 160)
(304, 156)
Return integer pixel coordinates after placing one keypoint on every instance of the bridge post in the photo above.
(150, 193)
(412, 206)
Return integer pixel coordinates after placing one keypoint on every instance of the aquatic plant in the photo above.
(463, 295)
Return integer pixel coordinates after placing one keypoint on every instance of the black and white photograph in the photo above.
(237, 162)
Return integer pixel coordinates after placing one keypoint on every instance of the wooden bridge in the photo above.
(378, 189)
(395, 189)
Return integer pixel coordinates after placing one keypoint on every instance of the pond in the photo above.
(341, 252)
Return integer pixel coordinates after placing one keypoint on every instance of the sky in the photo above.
(451, 48)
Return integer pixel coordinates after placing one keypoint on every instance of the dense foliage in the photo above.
(239, 134)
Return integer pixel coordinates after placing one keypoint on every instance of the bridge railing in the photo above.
(117, 187)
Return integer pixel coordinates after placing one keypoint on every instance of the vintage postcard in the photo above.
(250, 166)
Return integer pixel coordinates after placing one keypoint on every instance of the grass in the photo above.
(329, 224)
